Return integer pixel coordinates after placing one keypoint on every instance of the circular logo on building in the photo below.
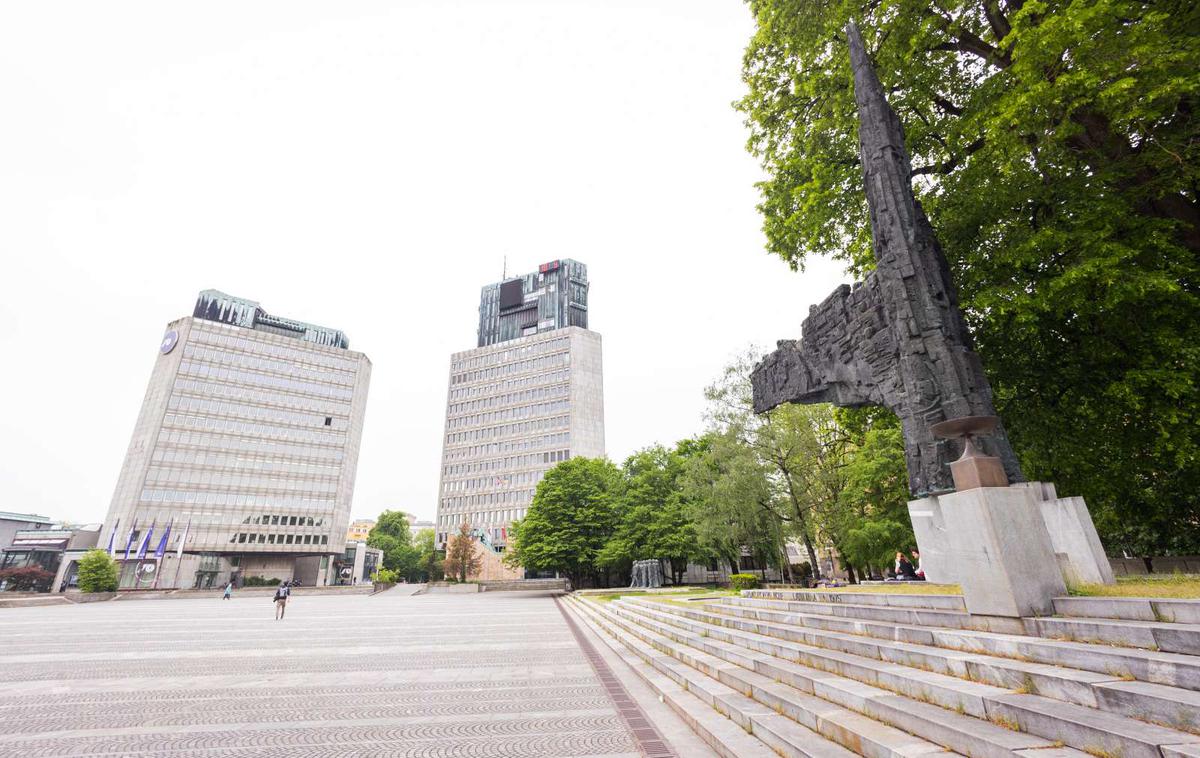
(169, 341)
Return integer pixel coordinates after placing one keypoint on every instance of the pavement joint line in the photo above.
(648, 739)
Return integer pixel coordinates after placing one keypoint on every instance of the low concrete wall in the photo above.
(1170, 564)
(525, 585)
(31, 601)
(451, 588)
(89, 597)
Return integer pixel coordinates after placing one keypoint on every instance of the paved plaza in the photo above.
(494, 674)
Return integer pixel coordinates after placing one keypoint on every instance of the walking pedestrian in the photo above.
(281, 598)
(228, 590)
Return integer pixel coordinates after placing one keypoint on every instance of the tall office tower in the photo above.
(553, 298)
(531, 395)
(246, 448)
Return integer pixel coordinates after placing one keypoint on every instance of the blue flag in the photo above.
(162, 544)
(129, 541)
(113, 534)
(145, 542)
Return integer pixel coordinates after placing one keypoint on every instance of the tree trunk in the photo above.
(812, 554)
(786, 570)
(802, 522)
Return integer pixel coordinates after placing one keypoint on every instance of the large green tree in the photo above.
(575, 511)
(729, 499)
(392, 535)
(1056, 148)
(798, 447)
(654, 522)
(429, 558)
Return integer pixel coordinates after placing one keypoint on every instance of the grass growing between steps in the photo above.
(897, 588)
(609, 597)
(1183, 586)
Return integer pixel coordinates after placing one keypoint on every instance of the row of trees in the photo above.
(813, 475)
(415, 558)
(412, 557)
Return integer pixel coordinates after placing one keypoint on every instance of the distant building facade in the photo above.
(528, 397)
(359, 529)
(357, 563)
(246, 445)
(11, 523)
(53, 548)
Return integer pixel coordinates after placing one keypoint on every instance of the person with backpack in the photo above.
(281, 598)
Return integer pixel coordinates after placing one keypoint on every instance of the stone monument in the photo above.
(898, 339)
(646, 574)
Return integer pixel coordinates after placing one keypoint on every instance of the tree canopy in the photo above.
(1056, 150)
(392, 535)
(97, 572)
(573, 514)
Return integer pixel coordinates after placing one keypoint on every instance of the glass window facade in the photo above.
(553, 297)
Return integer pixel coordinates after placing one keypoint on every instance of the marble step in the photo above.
(1167, 705)
(1076, 726)
(724, 736)
(1172, 669)
(946, 602)
(809, 693)
(917, 616)
(1169, 637)
(849, 729)
(732, 723)
(1130, 608)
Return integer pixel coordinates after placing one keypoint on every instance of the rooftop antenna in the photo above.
(504, 273)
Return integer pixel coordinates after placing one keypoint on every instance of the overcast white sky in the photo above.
(367, 166)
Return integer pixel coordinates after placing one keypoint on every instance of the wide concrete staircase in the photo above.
(800, 673)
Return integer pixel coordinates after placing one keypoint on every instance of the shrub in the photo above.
(743, 581)
(97, 572)
(260, 581)
(386, 576)
(26, 579)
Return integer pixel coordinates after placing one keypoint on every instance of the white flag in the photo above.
(183, 539)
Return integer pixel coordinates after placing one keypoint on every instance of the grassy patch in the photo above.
(610, 596)
(897, 588)
(1185, 586)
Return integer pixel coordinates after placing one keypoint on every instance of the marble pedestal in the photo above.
(1080, 554)
(994, 543)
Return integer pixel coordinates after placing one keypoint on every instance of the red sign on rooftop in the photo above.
(545, 267)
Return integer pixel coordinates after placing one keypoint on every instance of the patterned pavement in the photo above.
(432, 676)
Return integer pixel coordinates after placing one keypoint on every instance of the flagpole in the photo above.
(179, 553)
(161, 553)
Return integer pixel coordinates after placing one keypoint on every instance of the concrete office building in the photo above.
(11, 523)
(530, 396)
(248, 442)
